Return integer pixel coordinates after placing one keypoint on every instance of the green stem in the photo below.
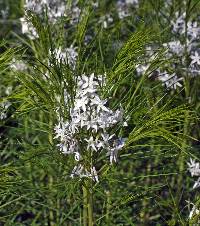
(85, 202)
(186, 130)
(90, 209)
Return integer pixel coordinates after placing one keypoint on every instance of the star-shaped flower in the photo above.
(195, 58)
(91, 143)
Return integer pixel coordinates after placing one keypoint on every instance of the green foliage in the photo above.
(149, 184)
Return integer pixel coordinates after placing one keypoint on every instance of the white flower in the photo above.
(118, 145)
(105, 143)
(81, 172)
(106, 137)
(78, 170)
(141, 69)
(179, 27)
(179, 24)
(193, 211)
(197, 183)
(195, 58)
(175, 47)
(193, 30)
(193, 70)
(122, 13)
(8, 90)
(122, 10)
(170, 81)
(194, 167)
(92, 124)
(60, 55)
(27, 28)
(75, 14)
(87, 84)
(81, 103)
(34, 5)
(100, 104)
(3, 115)
(91, 143)
(68, 55)
(18, 65)
(3, 109)
(106, 20)
(94, 174)
(72, 56)
(60, 130)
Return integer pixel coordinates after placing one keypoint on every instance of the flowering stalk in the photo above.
(86, 135)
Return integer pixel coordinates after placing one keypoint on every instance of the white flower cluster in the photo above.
(194, 68)
(170, 81)
(179, 27)
(3, 109)
(67, 55)
(122, 10)
(106, 20)
(176, 48)
(194, 211)
(28, 29)
(74, 12)
(18, 65)
(194, 169)
(123, 7)
(54, 9)
(88, 125)
(141, 69)
(81, 172)
(5, 104)
(192, 32)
